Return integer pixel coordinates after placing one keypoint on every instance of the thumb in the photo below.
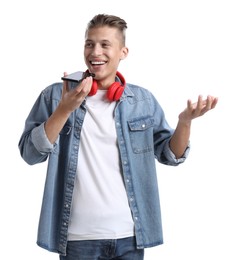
(65, 83)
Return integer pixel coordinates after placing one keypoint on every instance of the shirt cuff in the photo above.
(171, 156)
(41, 141)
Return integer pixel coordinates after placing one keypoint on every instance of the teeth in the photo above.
(97, 62)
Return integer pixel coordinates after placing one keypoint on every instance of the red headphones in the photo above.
(115, 90)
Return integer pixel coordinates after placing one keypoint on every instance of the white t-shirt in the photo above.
(100, 208)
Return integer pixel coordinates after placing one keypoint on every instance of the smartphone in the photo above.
(77, 76)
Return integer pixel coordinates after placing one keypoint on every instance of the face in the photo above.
(103, 51)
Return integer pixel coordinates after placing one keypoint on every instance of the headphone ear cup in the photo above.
(115, 91)
(94, 88)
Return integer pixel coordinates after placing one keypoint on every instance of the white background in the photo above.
(178, 50)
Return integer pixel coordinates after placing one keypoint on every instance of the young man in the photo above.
(101, 139)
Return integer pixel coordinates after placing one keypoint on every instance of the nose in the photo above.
(97, 50)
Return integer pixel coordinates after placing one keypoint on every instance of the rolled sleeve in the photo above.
(171, 156)
(41, 141)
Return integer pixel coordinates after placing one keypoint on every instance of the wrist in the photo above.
(63, 111)
(185, 123)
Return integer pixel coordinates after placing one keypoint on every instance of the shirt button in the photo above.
(143, 125)
(136, 218)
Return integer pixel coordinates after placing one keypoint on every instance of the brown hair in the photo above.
(108, 20)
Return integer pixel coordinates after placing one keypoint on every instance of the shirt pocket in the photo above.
(141, 134)
(66, 130)
(63, 139)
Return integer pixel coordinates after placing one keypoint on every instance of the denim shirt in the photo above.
(143, 137)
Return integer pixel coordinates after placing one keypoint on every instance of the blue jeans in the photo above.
(107, 249)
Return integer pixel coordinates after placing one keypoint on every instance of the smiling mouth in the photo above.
(97, 63)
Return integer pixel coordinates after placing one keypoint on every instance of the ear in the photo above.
(124, 53)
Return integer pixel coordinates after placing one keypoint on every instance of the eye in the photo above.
(105, 45)
(88, 45)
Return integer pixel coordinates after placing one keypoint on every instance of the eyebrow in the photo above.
(103, 41)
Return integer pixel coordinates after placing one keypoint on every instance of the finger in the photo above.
(198, 106)
(208, 104)
(84, 86)
(89, 83)
(65, 83)
(200, 102)
(214, 103)
(211, 102)
(189, 105)
(83, 89)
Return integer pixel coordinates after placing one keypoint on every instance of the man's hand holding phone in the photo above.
(72, 98)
